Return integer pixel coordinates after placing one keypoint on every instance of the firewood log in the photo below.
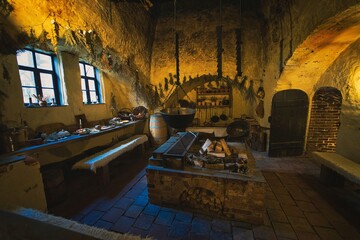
(225, 147)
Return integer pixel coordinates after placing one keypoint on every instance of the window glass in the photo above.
(83, 85)
(43, 61)
(89, 71)
(27, 78)
(84, 96)
(48, 94)
(93, 97)
(91, 85)
(28, 93)
(46, 80)
(82, 72)
(25, 58)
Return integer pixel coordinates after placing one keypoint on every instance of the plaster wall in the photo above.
(344, 75)
(26, 191)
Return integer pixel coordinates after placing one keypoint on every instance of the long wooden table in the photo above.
(68, 147)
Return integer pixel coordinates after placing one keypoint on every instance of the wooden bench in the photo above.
(335, 167)
(98, 162)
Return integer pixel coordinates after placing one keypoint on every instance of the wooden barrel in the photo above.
(158, 129)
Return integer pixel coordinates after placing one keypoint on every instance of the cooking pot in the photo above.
(223, 117)
(214, 119)
(178, 118)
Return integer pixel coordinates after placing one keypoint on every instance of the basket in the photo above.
(140, 112)
(125, 114)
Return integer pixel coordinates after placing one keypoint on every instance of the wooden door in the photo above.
(288, 123)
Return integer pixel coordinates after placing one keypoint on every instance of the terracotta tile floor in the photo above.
(298, 206)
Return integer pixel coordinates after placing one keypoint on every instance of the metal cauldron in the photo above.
(178, 118)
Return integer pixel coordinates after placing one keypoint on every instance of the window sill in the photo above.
(47, 106)
(92, 104)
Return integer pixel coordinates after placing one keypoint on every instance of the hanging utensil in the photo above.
(214, 117)
(223, 116)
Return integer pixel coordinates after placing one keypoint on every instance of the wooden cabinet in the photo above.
(212, 103)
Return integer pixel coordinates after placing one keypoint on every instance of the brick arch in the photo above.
(324, 120)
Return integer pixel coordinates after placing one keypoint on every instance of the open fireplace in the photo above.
(183, 175)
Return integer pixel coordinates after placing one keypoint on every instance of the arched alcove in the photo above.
(324, 120)
(288, 123)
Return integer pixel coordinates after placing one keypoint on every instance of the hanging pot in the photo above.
(223, 116)
(214, 119)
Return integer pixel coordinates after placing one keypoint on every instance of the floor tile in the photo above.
(307, 235)
(264, 233)
(138, 232)
(327, 233)
(215, 235)
(124, 203)
(300, 224)
(179, 230)
(133, 211)
(200, 225)
(123, 225)
(134, 193)
(158, 231)
(277, 215)
(141, 201)
(221, 226)
(317, 219)
(113, 215)
(242, 234)
(92, 217)
(306, 206)
(272, 204)
(165, 218)
(144, 221)
(292, 211)
(152, 209)
(103, 224)
(185, 217)
(284, 230)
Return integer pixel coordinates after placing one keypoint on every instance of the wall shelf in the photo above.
(212, 102)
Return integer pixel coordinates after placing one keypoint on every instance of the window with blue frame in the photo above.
(38, 77)
(90, 83)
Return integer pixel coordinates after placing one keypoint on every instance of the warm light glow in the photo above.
(356, 80)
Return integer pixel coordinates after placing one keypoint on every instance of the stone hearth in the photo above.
(213, 192)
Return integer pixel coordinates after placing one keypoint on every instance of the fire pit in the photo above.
(228, 189)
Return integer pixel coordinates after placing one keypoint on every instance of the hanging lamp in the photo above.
(178, 117)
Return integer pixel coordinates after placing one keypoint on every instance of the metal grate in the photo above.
(180, 147)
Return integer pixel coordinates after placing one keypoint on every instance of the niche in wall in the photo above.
(324, 120)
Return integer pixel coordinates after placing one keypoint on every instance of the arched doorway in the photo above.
(288, 123)
(324, 120)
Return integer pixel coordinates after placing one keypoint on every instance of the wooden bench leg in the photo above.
(103, 175)
(330, 177)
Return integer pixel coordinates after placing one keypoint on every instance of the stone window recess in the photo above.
(90, 83)
(39, 77)
(324, 120)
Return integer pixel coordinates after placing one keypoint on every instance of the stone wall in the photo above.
(224, 197)
(125, 30)
(271, 32)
